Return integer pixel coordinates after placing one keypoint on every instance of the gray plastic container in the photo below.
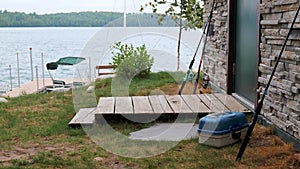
(222, 129)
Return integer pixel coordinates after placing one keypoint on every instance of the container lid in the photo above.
(222, 123)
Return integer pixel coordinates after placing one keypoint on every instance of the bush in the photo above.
(131, 61)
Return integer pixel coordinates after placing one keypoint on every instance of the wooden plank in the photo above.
(106, 73)
(178, 105)
(84, 116)
(208, 103)
(195, 104)
(105, 67)
(141, 104)
(231, 103)
(106, 105)
(220, 106)
(160, 104)
(123, 105)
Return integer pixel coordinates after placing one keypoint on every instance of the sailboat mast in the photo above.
(124, 24)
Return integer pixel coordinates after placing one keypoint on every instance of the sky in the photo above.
(55, 6)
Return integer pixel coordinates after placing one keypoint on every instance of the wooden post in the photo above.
(90, 70)
(18, 67)
(37, 78)
(31, 64)
(10, 77)
(43, 73)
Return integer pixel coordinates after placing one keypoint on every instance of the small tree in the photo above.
(188, 14)
(131, 61)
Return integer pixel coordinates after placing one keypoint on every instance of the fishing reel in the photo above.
(205, 81)
(189, 76)
(205, 85)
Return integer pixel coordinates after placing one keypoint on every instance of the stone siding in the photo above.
(215, 55)
(282, 104)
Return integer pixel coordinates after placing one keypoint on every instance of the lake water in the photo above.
(92, 43)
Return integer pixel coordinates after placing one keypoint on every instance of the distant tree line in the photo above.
(79, 19)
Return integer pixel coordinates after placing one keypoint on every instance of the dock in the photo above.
(158, 104)
(32, 87)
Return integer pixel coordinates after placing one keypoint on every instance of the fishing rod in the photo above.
(260, 103)
(189, 74)
(204, 46)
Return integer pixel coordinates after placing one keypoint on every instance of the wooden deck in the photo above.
(159, 104)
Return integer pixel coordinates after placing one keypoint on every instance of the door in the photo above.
(246, 49)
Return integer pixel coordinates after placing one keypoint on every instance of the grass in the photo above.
(34, 133)
(155, 83)
(140, 86)
(29, 118)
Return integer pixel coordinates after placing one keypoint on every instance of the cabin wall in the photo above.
(215, 54)
(282, 104)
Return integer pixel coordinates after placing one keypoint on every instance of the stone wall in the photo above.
(282, 104)
(215, 54)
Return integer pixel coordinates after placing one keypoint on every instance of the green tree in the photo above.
(76, 19)
(188, 14)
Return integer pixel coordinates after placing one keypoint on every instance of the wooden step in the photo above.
(85, 116)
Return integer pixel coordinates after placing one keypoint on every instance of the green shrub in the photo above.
(131, 61)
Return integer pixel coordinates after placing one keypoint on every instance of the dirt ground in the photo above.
(269, 151)
(26, 153)
(265, 150)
